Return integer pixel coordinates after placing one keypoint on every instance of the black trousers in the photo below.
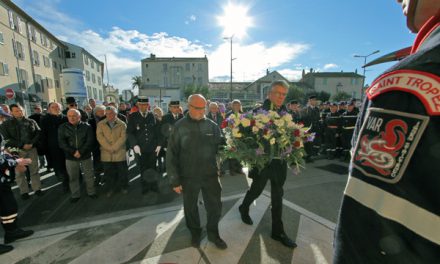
(8, 204)
(115, 174)
(146, 161)
(275, 172)
(211, 192)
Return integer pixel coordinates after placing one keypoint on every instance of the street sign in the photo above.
(127, 95)
(9, 93)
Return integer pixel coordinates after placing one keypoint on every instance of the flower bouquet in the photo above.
(255, 138)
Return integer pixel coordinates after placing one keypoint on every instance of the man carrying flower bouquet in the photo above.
(275, 170)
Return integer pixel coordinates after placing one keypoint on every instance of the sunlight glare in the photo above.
(235, 20)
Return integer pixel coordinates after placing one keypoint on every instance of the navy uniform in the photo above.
(332, 131)
(348, 124)
(296, 115)
(391, 206)
(310, 116)
(143, 130)
(167, 124)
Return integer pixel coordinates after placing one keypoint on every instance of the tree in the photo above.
(323, 96)
(341, 96)
(194, 89)
(294, 93)
(136, 82)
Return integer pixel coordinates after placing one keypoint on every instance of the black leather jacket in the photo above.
(17, 133)
(192, 150)
(72, 138)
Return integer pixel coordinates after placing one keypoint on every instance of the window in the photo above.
(2, 40)
(187, 67)
(46, 61)
(86, 60)
(100, 95)
(68, 54)
(4, 70)
(22, 78)
(32, 34)
(199, 67)
(20, 25)
(92, 64)
(18, 50)
(43, 39)
(54, 64)
(89, 91)
(73, 55)
(165, 67)
(324, 81)
(146, 65)
(60, 52)
(200, 80)
(87, 75)
(97, 67)
(38, 83)
(353, 81)
(57, 83)
(148, 79)
(49, 83)
(51, 44)
(93, 78)
(99, 80)
(11, 19)
(36, 58)
(187, 80)
(95, 93)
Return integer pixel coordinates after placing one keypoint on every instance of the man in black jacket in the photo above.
(76, 139)
(310, 116)
(50, 124)
(390, 210)
(23, 134)
(276, 171)
(192, 167)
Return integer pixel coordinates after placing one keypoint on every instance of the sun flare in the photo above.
(235, 20)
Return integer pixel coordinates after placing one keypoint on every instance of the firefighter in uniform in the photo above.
(295, 111)
(144, 136)
(349, 118)
(332, 127)
(391, 205)
(8, 204)
(310, 117)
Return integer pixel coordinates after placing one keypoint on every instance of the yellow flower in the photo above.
(272, 141)
(255, 129)
(245, 122)
(279, 122)
(236, 133)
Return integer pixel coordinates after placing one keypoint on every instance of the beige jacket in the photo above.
(112, 140)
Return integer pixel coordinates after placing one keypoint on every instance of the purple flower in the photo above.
(311, 137)
(259, 151)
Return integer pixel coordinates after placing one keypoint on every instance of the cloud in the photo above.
(191, 18)
(125, 48)
(330, 66)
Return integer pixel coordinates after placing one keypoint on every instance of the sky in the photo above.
(283, 35)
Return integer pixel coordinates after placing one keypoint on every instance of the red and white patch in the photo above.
(386, 143)
(424, 85)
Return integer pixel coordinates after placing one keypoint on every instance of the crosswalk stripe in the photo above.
(130, 241)
(314, 243)
(29, 246)
(183, 256)
(235, 233)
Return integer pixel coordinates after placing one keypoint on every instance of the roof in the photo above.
(23, 14)
(333, 74)
(175, 59)
(265, 77)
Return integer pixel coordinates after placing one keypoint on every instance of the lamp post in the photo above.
(230, 82)
(365, 62)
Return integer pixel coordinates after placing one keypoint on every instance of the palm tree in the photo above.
(136, 82)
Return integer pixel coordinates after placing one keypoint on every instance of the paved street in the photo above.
(135, 228)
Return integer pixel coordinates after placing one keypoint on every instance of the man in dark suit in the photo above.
(275, 170)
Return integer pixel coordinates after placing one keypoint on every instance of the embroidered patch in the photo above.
(425, 86)
(386, 143)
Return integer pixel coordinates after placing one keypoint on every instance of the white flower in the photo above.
(255, 129)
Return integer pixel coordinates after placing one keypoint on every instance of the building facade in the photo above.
(79, 58)
(168, 77)
(31, 59)
(334, 82)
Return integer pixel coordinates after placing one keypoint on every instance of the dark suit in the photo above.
(276, 171)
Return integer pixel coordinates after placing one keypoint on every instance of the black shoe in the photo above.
(93, 196)
(219, 243)
(195, 241)
(11, 236)
(5, 249)
(74, 200)
(40, 192)
(245, 215)
(285, 240)
(25, 196)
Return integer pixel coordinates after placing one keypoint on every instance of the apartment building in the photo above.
(31, 59)
(79, 58)
(169, 76)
